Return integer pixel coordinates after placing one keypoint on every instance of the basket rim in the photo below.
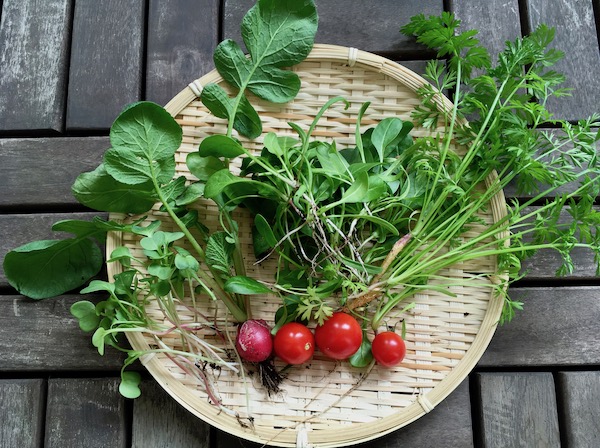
(358, 432)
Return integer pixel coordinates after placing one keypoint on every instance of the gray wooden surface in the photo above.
(160, 421)
(85, 412)
(180, 45)
(66, 70)
(579, 393)
(34, 49)
(51, 165)
(106, 61)
(518, 410)
(22, 403)
(577, 37)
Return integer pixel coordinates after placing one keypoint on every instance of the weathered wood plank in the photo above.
(19, 229)
(497, 21)
(575, 35)
(106, 61)
(580, 395)
(34, 42)
(448, 425)
(158, 420)
(22, 410)
(42, 335)
(51, 166)
(351, 23)
(558, 326)
(85, 412)
(518, 410)
(182, 35)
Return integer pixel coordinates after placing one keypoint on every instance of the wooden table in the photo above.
(67, 67)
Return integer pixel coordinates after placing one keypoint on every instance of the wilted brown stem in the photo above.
(368, 296)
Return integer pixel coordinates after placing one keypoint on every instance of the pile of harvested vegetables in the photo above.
(356, 231)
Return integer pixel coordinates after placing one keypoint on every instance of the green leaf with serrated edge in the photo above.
(203, 167)
(363, 356)
(220, 146)
(246, 286)
(47, 268)
(278, 33)
(100, 191)
(144, 139)
(218, 252)
(129, 386)
(85, 312)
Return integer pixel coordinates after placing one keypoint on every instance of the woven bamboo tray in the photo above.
(330, 403)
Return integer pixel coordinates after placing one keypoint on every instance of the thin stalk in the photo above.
(238, 313)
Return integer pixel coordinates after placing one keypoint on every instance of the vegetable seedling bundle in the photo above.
(358, 229)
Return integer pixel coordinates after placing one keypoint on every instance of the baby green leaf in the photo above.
(47, 268)
(129, 386)
(85, 312)
(363, 357)
(245, 285)
(144, 139)
(98, 339)
(100, 191)
(99, 285)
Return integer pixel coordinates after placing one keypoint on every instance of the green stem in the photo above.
(237, 312)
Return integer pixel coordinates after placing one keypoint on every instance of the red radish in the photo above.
(254, 342)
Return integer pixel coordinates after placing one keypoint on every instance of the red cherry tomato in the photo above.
(388, 349)
(339, 337)
(294, 343)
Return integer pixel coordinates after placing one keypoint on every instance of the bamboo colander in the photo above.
(329, 403)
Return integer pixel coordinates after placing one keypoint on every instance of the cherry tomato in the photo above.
(339, 337)
(388, 349)
(294, 343)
